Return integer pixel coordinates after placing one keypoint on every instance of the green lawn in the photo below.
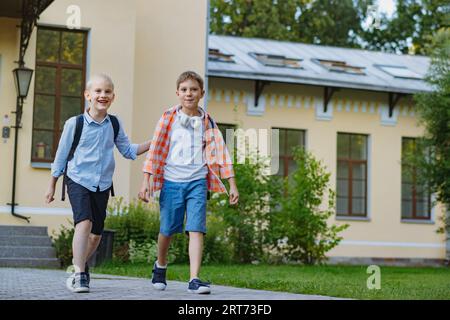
(338, 281)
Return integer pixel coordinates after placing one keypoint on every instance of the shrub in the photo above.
(62, 243)
(217, 247)
(147, 252)
(135, 221)
(245, 224)
(299, 230)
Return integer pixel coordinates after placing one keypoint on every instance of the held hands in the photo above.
(146, 190)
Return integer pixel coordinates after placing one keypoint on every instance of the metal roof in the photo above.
(312, 73)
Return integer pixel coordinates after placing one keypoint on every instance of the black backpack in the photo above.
(76, 140)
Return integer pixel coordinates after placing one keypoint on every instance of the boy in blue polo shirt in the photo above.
(89, 173)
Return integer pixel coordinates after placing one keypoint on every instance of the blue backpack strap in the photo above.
(76, 140)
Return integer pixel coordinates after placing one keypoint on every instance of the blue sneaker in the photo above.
(198, 286)
(159, 278)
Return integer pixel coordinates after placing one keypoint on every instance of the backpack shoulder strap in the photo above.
(116, 125)
(76, 140)
(77, 136)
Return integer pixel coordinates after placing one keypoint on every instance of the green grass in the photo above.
(338, 281)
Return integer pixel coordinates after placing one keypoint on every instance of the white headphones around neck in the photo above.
(185, 120)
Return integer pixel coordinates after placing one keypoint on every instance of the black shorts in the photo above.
(88, 205)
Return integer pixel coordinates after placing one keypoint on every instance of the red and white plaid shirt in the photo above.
(216, 153)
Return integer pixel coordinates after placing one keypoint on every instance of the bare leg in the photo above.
(80, 244)
(93, 242)
(163, 249)
(195, 253)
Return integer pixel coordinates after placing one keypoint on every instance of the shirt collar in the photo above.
(90, 120)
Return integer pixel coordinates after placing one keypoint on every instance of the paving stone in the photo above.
(38, 284)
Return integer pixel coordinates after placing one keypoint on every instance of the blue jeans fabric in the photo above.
(178, 198)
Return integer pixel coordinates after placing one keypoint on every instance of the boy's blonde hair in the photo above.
(190, 75)
(98, 76)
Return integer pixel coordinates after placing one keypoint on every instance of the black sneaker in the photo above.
(78, 283)
(159, 278)
(198, 286)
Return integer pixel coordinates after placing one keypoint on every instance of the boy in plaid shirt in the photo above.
(185, 160)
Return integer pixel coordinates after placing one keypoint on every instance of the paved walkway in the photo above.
(35, 284)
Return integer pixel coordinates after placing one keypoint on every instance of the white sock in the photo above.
(161, 267)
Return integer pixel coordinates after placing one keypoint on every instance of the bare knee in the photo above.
(84, 226)
(95, 237)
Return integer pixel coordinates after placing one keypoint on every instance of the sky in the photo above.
(387, 6)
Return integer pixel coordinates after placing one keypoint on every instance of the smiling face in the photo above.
(100, 94)
(190, 93)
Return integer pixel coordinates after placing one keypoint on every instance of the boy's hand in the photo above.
(234, 194)
(49, 195)
(146, 191)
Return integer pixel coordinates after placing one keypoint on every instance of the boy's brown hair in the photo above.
(190, 75)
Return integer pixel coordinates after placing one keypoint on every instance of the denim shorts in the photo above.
(178, 198)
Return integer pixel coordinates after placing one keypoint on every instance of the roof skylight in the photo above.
(340, 66)
(399, 72)
(272, 60)
(218, 56)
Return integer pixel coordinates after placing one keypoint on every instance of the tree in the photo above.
(411, 28)
(331, 22)
(433, 156)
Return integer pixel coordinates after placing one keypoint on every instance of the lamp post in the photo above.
(22, 80)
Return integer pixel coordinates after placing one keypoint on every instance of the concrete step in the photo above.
(30, 262)
(39, 241)
(23, 231)
(27, 252)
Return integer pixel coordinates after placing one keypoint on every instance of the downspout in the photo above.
(30, 15)
(206, 97)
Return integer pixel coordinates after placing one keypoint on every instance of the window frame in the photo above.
(413, 185)
(351, 162)
(283, 157)
(58, 94)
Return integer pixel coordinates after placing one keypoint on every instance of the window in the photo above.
(218, 56)
(340, 66)
(399, 72)
(271, 60)
(59, 84)
(223, 129)
(289, 139)
(351, 187)
(416, 200)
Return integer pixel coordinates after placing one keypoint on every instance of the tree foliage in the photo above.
(333, 22)
(412, 27)
(300, 229)
(433, 156)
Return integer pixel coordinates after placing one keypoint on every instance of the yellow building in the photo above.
(145, 45)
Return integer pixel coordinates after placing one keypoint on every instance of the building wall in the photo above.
(383, 234)
(169, 41)
(142, 47)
